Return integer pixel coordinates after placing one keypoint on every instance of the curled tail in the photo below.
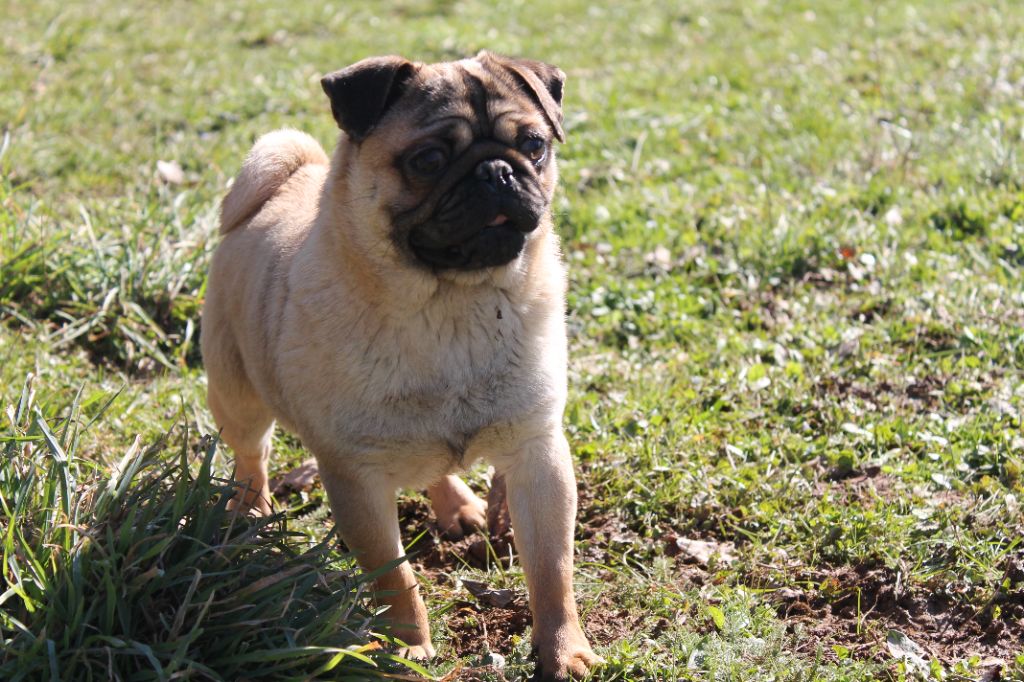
(269, 164)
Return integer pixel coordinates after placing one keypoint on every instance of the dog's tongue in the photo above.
(500, 220)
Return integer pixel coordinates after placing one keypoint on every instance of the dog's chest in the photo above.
(444, 374)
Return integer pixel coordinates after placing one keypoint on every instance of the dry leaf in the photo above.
(661, 257)
(486, 595)
(893, 217)
(788, 594)
(905, 649)
(990, 669)
(702, 552)
(170, 172)
(298, 479)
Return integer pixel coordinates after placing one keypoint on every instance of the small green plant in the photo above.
(959, 219)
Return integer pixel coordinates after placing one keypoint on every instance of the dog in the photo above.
(400, 307)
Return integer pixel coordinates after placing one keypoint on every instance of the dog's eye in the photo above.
(429, 161)
(534, 148)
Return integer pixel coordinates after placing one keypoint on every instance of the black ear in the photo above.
(361, 94)
(544, 82)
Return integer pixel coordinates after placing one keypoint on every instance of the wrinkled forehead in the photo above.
(470, 95)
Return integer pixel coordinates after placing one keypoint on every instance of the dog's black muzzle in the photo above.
(484, 207)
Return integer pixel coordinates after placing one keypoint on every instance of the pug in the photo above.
(399, 306)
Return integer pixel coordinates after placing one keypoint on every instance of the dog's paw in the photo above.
(466, 518)
(457, 508)
(419, 652)
(566, 656)
(251, 502)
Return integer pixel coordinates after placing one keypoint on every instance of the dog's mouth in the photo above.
(478, 218)
(497, 243)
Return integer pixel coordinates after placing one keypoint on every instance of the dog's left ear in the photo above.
(544, 82)
(362, 93)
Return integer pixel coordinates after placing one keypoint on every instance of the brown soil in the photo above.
(472, 621)
(847, 606)
(856, 606)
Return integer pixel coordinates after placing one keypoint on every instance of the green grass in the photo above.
(142, 570)
(796, 242)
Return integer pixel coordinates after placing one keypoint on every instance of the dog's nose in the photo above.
(495, 172)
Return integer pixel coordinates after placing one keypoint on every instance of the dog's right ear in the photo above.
(361, 94)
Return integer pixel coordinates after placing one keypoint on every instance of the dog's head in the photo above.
(452, 163)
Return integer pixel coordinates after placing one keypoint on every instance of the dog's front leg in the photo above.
(542, 503)
(366, 516)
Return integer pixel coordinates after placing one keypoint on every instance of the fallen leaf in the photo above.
(702, 552)
(990, 669)
(298, 479)
(483, 593)
(788, 594)
(170, 172)
(496, 661)
(893, 217)
(661, 257)
(905, 649)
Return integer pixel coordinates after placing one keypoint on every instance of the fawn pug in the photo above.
(400, 307)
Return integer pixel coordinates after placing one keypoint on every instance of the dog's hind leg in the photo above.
(456, 506)
(246, 426)
(245, 421)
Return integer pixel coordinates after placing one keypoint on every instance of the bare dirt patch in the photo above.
(854, 607)
(471, 624)
(473, 621)
(834, 609)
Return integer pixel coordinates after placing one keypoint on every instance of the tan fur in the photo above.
(395, 375)
(272, 160)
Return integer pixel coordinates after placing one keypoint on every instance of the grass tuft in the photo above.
(143, 572)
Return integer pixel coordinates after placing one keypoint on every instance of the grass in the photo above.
(795, 236)
(142, 570)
